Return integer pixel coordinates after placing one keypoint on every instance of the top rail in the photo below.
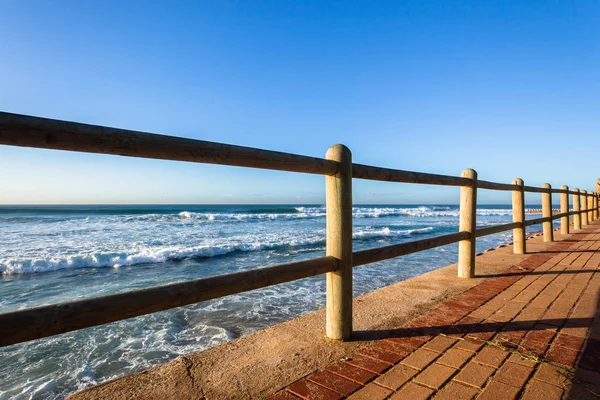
(534, 189)
(27, 131)
(361, 171)
(45, 133)
(496, 186)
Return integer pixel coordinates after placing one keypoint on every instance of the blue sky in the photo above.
(507, 88)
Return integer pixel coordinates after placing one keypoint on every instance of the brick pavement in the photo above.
(532, 332)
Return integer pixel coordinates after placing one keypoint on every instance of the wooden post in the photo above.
(583, 199)
(595, 206)
(576, 209)
(468, 213)
(564, 208)
(547, 212)
(518, 209)
(339, 244)
(590, 208)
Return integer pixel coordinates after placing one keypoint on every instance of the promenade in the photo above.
(526, 326)
(532, 332)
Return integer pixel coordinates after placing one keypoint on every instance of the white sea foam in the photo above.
(160, 254)
(299, 214)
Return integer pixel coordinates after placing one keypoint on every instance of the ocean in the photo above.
(52, 254)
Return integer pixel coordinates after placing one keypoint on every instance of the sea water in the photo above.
(53, 254)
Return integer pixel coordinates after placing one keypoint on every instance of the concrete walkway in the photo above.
(532, 332)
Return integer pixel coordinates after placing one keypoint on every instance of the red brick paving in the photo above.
(546, 306)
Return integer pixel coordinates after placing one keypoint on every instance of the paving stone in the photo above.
(435, 375)
(413, 342)
(481, 313)
(371, 392)
(554, 319)
(484, 332)
(538, 348)
(474, 374)
(334, 382)
(513, 374)
(440, 344)
(469, 345)
(579, 331)
(464, 305)
(491, 356)
(396, 377)
(533, 313)
(469, 321)
(550, 374)
(510, 339)
(351, 372)
(420, 358)
(367, 363)
(454, 391)
(517, 359)
(562, 355)
(385, 351)
(569, 341)
(308, 390)
(499, 391)
(455, 358)
(538, 390)
(541, 333)
(412, 391)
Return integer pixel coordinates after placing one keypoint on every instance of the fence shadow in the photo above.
(524, 273)
(465, 329)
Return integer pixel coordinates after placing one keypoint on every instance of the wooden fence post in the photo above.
(339, 244)
(583, 199)
(564, 208)
(468, 222)
(577, 210)
(590, 208)
(595, 206)
(547, 212)
(518, 209)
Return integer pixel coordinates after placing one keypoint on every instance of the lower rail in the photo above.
(490, 230)
(395, 250)
(39, 322)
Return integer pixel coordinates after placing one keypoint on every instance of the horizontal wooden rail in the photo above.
(45, 133)
(489, 230)
(537, 221)
(561, 191)
(534, 189)
(367, 256)
(360, 171)
(26, 131)
(35, 323)
(496, 186)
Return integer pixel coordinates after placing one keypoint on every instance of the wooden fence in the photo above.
(35, 323)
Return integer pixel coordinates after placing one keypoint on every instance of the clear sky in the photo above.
(510, 89)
